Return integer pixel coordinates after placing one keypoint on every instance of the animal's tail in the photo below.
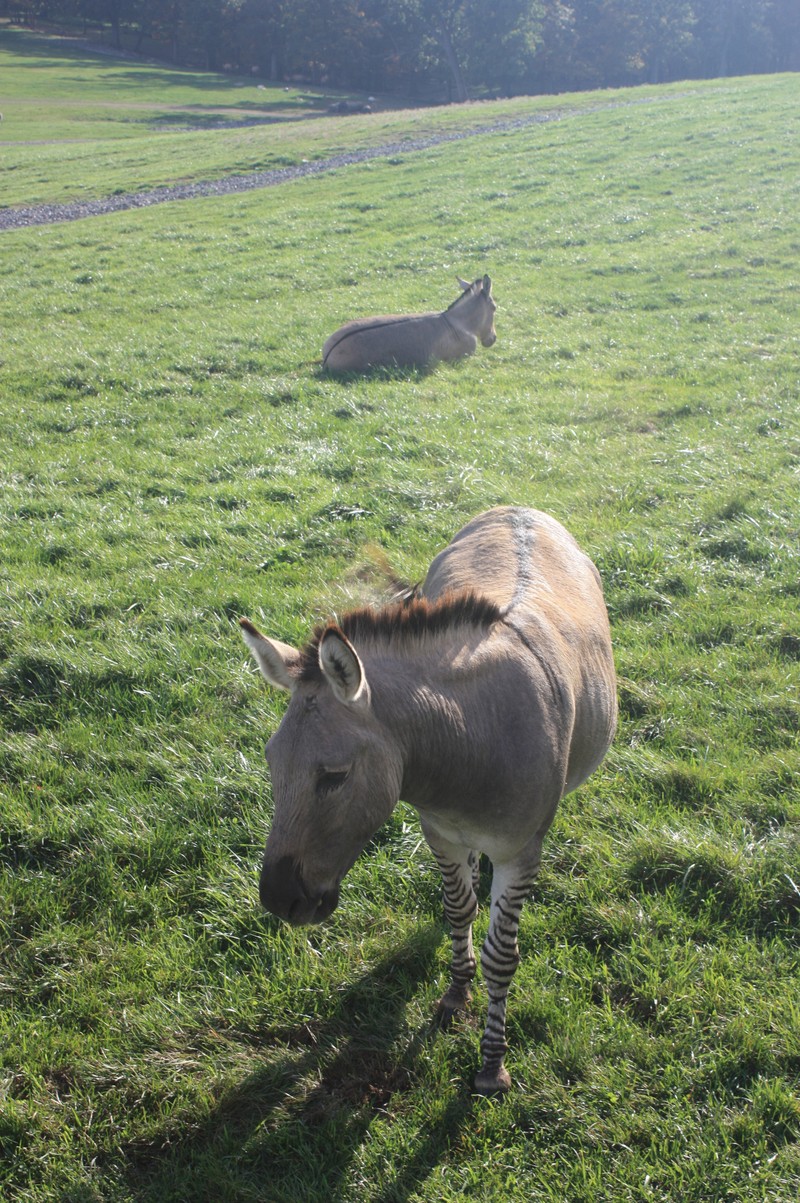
(402, 590)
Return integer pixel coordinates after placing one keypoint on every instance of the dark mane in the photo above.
(458, 299)
(414, 618)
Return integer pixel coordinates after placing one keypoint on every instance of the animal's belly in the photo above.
(500, 845)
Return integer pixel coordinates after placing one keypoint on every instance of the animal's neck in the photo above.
(423, 697)
(447, 321)
(457, 314)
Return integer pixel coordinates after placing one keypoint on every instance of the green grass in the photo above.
(173, 458)
(134, 126)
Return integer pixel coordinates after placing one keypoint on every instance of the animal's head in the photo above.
(336, 774)
(485, 307)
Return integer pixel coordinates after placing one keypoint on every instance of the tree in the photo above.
(501, 40)
(608, 49)
(733, 36)
(663, 33)
(783, 22)
(495, 46)
(437, 28)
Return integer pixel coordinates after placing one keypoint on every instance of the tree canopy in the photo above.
(449, 49)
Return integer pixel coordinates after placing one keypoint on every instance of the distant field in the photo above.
(132, 126)
(171, 458)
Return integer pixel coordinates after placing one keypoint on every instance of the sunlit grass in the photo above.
(172, 457)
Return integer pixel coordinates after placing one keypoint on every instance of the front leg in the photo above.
(511, 885)
(460, 870)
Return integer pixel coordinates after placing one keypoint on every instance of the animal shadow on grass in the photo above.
(378, 372)
(289, 1132)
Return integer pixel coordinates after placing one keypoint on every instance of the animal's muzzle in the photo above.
(284, 893)
(489, 340)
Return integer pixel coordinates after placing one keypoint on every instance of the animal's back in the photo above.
(552, 598)
(514, 556)
(392, 339)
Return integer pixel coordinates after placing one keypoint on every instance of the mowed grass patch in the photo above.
(173, 458)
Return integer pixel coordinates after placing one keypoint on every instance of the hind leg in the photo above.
(511, 885)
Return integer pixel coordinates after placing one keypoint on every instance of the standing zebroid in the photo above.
(480, 699)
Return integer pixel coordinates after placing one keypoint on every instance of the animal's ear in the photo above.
(278, 662)
(487, 286)
(342, 667)
(465, 284)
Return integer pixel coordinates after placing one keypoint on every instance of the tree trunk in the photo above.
(116, 40)
(449, 49)
(726, 27)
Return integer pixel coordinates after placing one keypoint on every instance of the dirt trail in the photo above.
(38, 215)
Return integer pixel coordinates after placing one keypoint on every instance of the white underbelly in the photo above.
(462, 833)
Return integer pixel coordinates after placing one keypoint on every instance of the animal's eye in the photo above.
(331, 779)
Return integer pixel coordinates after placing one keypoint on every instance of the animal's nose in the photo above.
(284, 893)
(490, 339)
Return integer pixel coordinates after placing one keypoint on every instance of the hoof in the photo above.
(444, 1017)
(493, 1081)
(456, 999)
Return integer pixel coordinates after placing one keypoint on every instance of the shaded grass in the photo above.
(173, 458)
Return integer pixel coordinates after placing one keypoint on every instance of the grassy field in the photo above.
(132, 126)
(171, 458)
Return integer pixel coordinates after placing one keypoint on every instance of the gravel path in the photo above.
(38, 215)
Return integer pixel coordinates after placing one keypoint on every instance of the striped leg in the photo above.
(460, 869)
(511, 885)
